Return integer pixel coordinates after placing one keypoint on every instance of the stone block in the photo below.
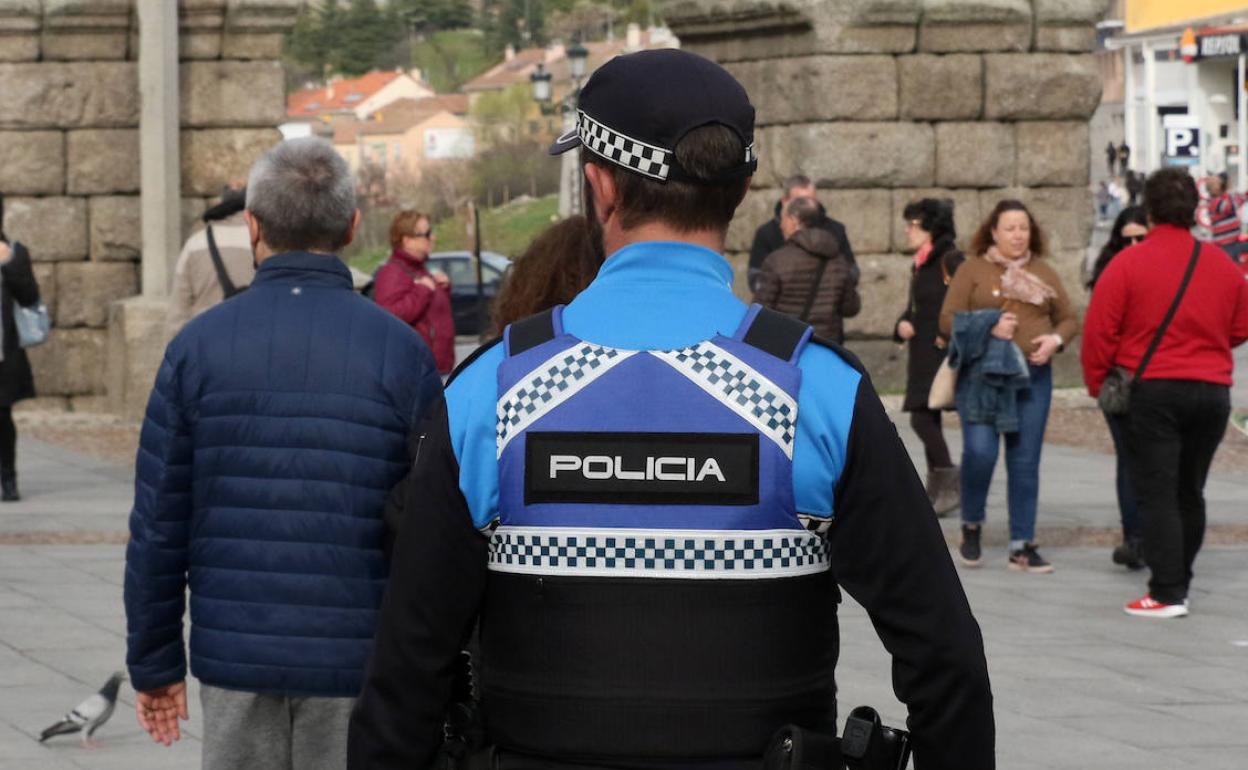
(885, 362)
(54, 229)
(935, 87)
(1040, 86)
(20, 21)
(70, 363)
(212, 157)
(849, 155)
(967, 214)
(757, 208)
(42, 404)
(69, 95)
(256, 29)
(884, 284)
(232, 93)
(45, 276)
(847, 88)
(89, 30)
(974, 154)
(86, 290)
(115, 230)
(1053, 153)
(1080, 39)
(975, 25)
(103, 160)
(1085, 12)
(32, 162)
(1064, 213)
(137, 337)
(199, 28)
(89, 404)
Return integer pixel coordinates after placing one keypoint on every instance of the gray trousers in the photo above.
(271, 732)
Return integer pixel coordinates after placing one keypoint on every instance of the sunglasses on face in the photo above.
(1133, 238)
(426, 234)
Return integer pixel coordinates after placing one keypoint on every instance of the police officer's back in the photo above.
(644, 497)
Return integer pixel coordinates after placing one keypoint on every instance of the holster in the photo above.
(796, 748)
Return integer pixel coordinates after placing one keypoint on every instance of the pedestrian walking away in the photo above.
(215, 263)
(930, 233)
(1129, 229)
(1161, 325)
(807, 277)
(1124, 158)
(769, 237)
(18, 290)
(653, 496)
(1111, 156)
(417, 296)
(263, 467)
(1006, 292)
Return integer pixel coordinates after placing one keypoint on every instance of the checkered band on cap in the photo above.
(645, 159)
(644, 553)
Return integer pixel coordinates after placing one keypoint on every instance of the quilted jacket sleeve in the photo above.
(156, 558)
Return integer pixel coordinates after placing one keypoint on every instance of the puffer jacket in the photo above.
(991, 371)
(277, 425)
(789, 274)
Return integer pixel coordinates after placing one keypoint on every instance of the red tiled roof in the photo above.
(337, 96)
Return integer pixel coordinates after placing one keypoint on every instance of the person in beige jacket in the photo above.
(197, 285)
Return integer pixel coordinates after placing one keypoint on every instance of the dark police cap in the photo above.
(637, 107)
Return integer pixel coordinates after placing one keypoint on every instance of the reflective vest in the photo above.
(653, 593)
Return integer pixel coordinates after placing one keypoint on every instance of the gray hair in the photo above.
(794, 182)
(805, 211)
(303, 195)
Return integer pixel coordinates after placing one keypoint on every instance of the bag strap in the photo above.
(814, 289)
(1174, 307)
(528, 333)
(776, 334)
(227, 286)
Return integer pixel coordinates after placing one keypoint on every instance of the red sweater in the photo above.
(426, 310)
(1132, 297)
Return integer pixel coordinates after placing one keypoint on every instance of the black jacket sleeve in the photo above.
(890, 555)
(19, 277)
(437, 580)
(767, 238)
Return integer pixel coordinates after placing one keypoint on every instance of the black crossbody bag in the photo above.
(1115, 396)
(227, 286)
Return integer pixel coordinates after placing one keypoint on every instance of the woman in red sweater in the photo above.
(407, 288)
(1181, 403)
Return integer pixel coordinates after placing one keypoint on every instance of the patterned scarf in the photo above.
(921, 256)
(1019, 283)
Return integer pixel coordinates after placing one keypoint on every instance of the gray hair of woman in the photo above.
(302, 195)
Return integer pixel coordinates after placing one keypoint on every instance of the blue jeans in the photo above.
(1128, 504)
(981, 444)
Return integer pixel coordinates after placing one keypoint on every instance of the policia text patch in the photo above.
(641, 468)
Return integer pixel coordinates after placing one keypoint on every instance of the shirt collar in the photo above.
(305, 268)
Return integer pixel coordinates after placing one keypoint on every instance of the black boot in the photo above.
(8, 486)
(1129, 554)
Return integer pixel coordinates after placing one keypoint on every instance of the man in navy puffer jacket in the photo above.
(276, 427)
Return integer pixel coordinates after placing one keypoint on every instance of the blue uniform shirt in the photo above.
(658, 296)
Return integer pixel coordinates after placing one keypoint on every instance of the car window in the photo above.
(463, 272)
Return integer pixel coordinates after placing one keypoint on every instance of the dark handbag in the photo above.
(1115, 396)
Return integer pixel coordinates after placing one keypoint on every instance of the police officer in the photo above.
(648, 498)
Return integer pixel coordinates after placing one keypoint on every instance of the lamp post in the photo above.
(570, 170)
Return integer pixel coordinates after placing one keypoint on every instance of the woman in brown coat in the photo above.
(1009, 274)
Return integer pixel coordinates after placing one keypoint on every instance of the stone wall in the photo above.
(884, 101)
(70, 155)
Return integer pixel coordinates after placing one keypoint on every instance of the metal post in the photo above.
(1128, 101)
(1150, 108)
(482, 315)
(1242, 139)
(161, 194)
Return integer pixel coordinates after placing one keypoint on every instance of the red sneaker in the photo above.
(1148, 607)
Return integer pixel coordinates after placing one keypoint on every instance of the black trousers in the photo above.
(1174, 428)
(8, 440)
(926, 423)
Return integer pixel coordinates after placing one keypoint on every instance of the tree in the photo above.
(451, 58)
(366, 38)
(430, 16)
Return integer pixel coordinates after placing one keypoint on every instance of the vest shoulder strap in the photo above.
(528, 333)
(777, 334)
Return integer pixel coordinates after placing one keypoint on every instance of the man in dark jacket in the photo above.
(807, 277)
(769, 237)
(275, 429)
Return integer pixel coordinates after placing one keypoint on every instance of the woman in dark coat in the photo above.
(930, 232)
(17, 285)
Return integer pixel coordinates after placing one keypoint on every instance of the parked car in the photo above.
(460, 268)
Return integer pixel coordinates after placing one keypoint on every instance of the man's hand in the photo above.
(159, 711)
(1045, 346)
(905, 330)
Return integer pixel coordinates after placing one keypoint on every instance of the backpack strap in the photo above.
(528, 333)
(775, 333)
(227, 286)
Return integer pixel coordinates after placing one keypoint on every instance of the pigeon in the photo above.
(90, 714)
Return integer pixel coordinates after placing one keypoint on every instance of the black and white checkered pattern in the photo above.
(556, 380)
(741, 388)
(646, 159)
(658, 553)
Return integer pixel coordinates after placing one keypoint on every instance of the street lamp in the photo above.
(541, 84)
(578, 57)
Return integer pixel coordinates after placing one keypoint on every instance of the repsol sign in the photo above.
(641, 468)
(1219, 45)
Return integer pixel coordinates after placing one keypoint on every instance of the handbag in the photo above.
(33, 324)
(944, 386)
(1115, 396)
